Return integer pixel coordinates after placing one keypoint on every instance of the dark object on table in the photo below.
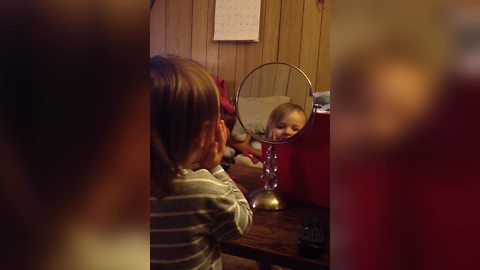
(311, 242)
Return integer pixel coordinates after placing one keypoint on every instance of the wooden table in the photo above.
(273, 236)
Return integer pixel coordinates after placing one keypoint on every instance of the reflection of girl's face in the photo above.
(288, 126)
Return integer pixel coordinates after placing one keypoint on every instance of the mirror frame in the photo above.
(310, 94)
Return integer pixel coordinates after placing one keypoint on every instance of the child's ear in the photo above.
(202, 137)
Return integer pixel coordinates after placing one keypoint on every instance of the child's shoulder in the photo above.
(200, 174)
(199, 181)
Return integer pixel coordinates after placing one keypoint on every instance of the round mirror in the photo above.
(275, 103)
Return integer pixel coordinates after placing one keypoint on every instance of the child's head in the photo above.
(184, 111)
(285, 121)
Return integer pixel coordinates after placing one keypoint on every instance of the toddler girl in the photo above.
(192, 211)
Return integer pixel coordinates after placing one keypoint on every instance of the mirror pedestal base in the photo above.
(266, 200)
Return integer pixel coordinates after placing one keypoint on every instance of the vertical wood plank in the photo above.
(227, 52)
(157, 28)
(271, 30)
(267, 80)
(252, 90)
(298, 88)
(256, 49)
(323, 68)
(179, 27)
(212, 46)
(241, 69)
(249, 54)
(248, 57)
(199, 31)
(310, 44)
(246, 86)
(290, 31)
(282, 76)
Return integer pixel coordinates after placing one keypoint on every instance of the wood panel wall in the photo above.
(292, 31)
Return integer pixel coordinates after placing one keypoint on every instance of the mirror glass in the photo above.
(275, 102)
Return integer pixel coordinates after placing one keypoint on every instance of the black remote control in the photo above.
(311, 242)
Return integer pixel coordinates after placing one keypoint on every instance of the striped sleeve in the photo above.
(203, 208)
(234, 216)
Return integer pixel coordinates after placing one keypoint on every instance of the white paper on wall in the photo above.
(237, 20)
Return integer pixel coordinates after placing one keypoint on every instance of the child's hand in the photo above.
(272, 136)
(214, 153)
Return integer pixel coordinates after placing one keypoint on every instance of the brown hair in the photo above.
(280, 111)
(183, 97)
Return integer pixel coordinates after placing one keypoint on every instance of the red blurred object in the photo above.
(417, 207)
(304, 165)
(225, 103)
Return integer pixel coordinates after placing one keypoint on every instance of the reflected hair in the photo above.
(183, 96)
(280, 112)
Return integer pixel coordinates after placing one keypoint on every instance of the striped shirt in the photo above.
(203, 208)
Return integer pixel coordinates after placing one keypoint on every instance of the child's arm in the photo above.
(234, 216)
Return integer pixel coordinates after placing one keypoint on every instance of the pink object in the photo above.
(251, 157)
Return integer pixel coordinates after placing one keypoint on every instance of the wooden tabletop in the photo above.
(272, 239)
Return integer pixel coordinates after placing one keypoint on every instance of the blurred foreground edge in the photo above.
(74, 134)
